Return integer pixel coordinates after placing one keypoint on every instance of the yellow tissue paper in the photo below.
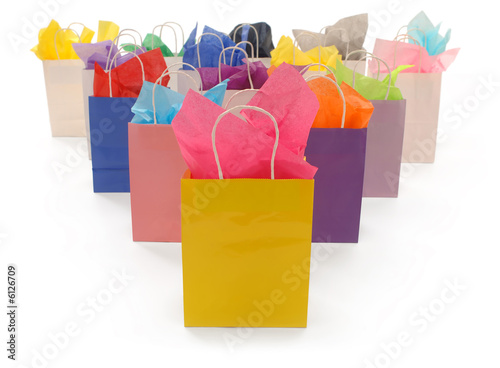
(283, 53)
(107, 31)
(46, 48)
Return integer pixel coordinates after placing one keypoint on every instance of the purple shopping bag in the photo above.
(339, 155)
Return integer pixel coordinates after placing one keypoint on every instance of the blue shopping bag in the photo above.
(108, 120)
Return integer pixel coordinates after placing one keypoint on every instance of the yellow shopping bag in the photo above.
(246, 246)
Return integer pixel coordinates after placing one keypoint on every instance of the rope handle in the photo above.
(255, 108)
(256, 36)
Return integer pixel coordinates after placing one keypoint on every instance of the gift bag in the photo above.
(384, 144)
(288, 52)
(421, 87)
(193, 59)
(63, 79)
(102, 53)
(209, 44)
(153, 41)
(287, 97)
(238, 74)
(242, 239)
(156, 163)
(347, 34)
(337, 146)
(260, 40)
(87, 91)
(109, 117)
(427, 34)
(171, 56)
(63, 85)
(249, 75)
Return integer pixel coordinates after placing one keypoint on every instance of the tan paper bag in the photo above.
(63, 84)
(88, 90)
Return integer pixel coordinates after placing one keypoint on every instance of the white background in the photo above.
(68, 241)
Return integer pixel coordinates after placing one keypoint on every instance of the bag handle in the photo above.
(310, 35)
(319, 64)
(113, 60)
(191, 66)
(115, 41)
(324, 28)
(80, 24)
(248, 64)
(256, 36)
(239, 43)
(182, 32)
(246, 107)
(236, 94)
(198, 46)
(413, 29)
(366, 53)
(338, 89)
(167, 72)
(161, 29)
(130, 30)
(55, 38)
(121, 48)
(167, 24)
(379, 61)
(403, 37)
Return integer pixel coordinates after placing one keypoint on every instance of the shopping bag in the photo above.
(176, 54)
(422, 30)
(153, 41)
(56, 43)
(63, 85)
(339, 153)
(102, 53)
(109, 117)
(248, 74)
(241, 241)
(128, 77)
(156, 163)
(87, 91)
(288, 52)
(260, 40)
(194, 58)
(421, 87)
(384, 144)
(347, 34)
(422, 92)
(209, 44)
(63, 82)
